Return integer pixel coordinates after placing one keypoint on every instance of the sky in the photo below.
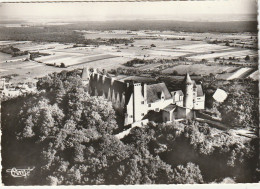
(176, 10)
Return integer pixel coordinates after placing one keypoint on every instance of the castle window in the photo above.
(131, 116)
(142, 102)
(142, 114)
(149, 105)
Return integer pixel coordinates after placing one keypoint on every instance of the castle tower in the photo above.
(139, 101)
(188, 92)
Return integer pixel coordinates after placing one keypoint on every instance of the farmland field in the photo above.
(33, 46)
(254, 75)
(4, 57)
(198, 69)
(237, 74)
(146, 45)
(227, 54)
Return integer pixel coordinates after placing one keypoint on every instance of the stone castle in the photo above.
(135, 100)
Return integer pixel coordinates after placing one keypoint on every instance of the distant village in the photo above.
(8, 90)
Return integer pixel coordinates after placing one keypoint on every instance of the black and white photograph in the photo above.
(129, 92)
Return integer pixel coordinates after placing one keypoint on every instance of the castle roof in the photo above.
(179, 92)
(170, 107)
(154, 91)
(187, 79)
(194, 84)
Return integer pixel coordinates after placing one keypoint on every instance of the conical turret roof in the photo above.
(187, 79)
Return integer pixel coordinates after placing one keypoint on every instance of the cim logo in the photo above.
(20, 172)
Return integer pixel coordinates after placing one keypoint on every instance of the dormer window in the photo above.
(161, 95)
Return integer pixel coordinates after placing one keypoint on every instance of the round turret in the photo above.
(188, 92)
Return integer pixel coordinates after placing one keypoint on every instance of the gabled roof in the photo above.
(154, 91)
(170, 107)
(194, 84)
(179, 92)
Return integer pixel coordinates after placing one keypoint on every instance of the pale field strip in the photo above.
(71, 56)
(197, 69)
(172, 36)
(239, 53)
(238, 73)
(13, 42)
(9, 58)
(247, 73)
(165, 53)
(92, 59)
(60, 60)
(3, 70)
(165, 43)
(4, 57)
(37, 46)
(149, 66)
(254, 75)
(206, 51)
(15, 65)
(175, 50)
(53, 57)
(106, 64)
(77, 51)
(200, 46)
(32, 66)
(231, 69)
(71, 60)
(108, 36)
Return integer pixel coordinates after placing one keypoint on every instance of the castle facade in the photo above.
(135, 100)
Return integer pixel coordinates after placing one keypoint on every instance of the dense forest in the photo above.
(68, 136)
(67, 34)
(54, 34)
